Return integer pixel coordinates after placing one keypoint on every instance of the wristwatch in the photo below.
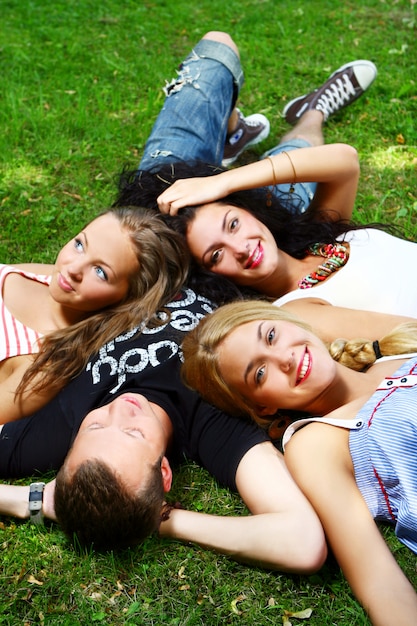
(35, 502)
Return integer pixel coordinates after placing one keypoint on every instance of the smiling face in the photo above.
(282, 366)
(92, 271)
(128, 435)
(229, 241)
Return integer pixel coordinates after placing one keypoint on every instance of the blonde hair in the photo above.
(201, 369)
(360, 354)
(163, 262)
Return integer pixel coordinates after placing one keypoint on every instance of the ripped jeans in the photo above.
(192, 124)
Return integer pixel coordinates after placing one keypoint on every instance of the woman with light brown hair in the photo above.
(112, 277)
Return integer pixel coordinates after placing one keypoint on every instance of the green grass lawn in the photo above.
(80, 89)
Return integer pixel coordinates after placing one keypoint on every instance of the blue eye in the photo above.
(260, 373)
(270, 336)
(101, 273)
(78, 244)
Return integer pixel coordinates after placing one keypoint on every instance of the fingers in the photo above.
(167, 207)
(171, 200)
(189, 192)
(163, 204)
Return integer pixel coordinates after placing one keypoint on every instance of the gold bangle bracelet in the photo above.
(293, 171)
(273, 170)
(269, 191)
(274, 178)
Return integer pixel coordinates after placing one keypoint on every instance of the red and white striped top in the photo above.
(16, 338)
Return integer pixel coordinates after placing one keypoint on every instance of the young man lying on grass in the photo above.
(128, 419)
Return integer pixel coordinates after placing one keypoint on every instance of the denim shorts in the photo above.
(298, 200)
(192, 123)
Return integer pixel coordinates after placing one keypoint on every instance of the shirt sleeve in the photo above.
(36, 444)
(202, 433)
(222, 441)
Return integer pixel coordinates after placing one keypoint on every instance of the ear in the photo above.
(166, 474)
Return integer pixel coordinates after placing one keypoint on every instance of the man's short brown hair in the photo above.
(93, 505)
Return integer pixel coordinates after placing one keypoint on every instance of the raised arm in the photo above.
(334, 166)
(318, 458)
(332, 322)
(283, 532)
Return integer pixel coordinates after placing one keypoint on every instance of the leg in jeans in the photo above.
(193, 122)
(198, 112)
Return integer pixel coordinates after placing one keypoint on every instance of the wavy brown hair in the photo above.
(163, 262)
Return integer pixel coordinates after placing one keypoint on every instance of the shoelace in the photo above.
(335, 96)
(252, 124)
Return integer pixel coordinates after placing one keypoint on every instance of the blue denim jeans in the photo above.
(192, 124)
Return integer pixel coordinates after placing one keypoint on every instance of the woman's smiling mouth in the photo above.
(255, 258)
(304, 368)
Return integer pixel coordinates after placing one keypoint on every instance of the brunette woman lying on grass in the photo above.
(265, 225)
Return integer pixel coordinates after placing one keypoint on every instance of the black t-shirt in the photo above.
(147, 363)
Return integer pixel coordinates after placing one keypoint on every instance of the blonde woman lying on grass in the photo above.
(353, 455)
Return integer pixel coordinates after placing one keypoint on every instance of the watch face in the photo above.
(35, 502)
(36, 491)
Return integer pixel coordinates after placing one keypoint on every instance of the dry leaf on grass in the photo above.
(234, 602)
(298, 614)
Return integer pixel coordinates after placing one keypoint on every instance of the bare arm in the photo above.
(332, 322)
(319, 459)
(334, 166)
(283, 531)
(14, 500)
(14, 407)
